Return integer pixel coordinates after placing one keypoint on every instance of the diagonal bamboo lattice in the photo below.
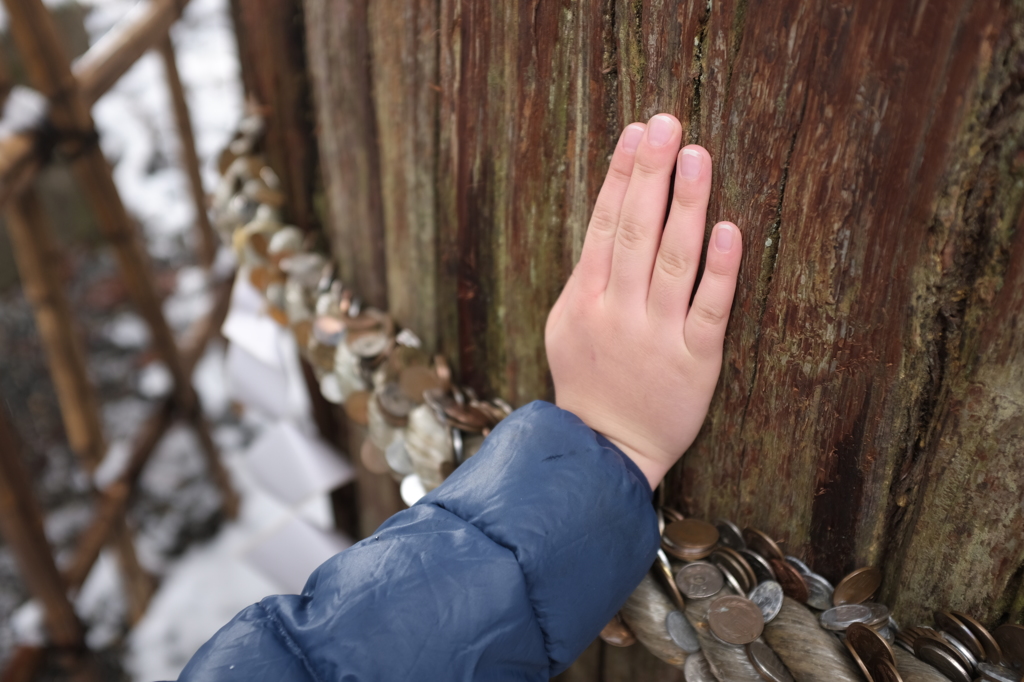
(69, 131)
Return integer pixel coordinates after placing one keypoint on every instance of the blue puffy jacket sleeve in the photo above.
(506, 572)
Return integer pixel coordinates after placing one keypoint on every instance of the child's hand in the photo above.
(629, 354)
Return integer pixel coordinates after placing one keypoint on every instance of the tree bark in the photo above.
(871, 404)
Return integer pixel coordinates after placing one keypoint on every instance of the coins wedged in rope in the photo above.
(760, 543)
(857, 587)
(699, 580)
(617, 633)
(735, 619)
(767, 663)
(792, 582)
(690, 539)
(768, 596)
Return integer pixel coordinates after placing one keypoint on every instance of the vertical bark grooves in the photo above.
(871, 403)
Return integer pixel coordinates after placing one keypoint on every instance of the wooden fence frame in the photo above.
(69, 130)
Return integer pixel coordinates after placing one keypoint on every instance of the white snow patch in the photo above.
(128, 331)
(155, 381)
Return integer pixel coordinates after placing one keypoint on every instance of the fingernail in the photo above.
(631, 137)
(660, 130)
(724, 235)
(690, 164)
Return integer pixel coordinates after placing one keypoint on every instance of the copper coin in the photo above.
(762, 544)
(691, 534)
(700, 580)
(937, 655)
(768, 597)
(742, 564)
(729, 565)
(735, 620)
(356, 407)
(885, 671)
(762, 569)
(672, 514)
(993, 652)
(372, 458)
(792, 582)
(618, 633)
(869, 645)
(729, 534)
(414, 381)
(1011, 641)
(857, 587)
(947, 622)
(767, 663)
(860, 664)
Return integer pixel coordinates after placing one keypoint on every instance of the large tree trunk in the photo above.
(871, 406)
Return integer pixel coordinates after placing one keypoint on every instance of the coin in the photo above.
(762, 544)
(869, 645)
(731, 568)
(879, 615)
(858, 586)
(860, 664)
(993, 652)
(767, 663)
(735, 620)
(741, 563)
(618, 633)
(936, 654)
(800, 566)
(1011, 641)
(414, 381)
(681, 632)
(963, 653)
(697, 669)
(729, 534)
(356, 407)
(732, 581)
(692, 537)
(663, 573)
(885, 672)
(373, 458)
(790, 579)
(841, 617)
(768, 597)
(762, 569)
(819, 592)
(997, 673)
(367, 344)
(672, 514)
(947, 622)
(700, 580)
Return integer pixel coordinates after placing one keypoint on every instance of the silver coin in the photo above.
(905, 645)
(801, 568)
(767, 663)
(768, 597)
(996, 673)
(697, 669)
(969, 659)
(819, 592)
(931, 652)
(730, 535)
(699, 580)
(841, 617)
(762, 569)
(879, 614)
(681, 632)
(886, 633)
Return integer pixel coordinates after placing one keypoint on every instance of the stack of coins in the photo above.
(745, 576)
(689, 539)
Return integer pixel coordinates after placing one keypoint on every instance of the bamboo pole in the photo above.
(105, 62)
(207, 239)
(115, 497)
(21, 524)
(24, 664)
(39, 264)
(95, 72)
(49, 69)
